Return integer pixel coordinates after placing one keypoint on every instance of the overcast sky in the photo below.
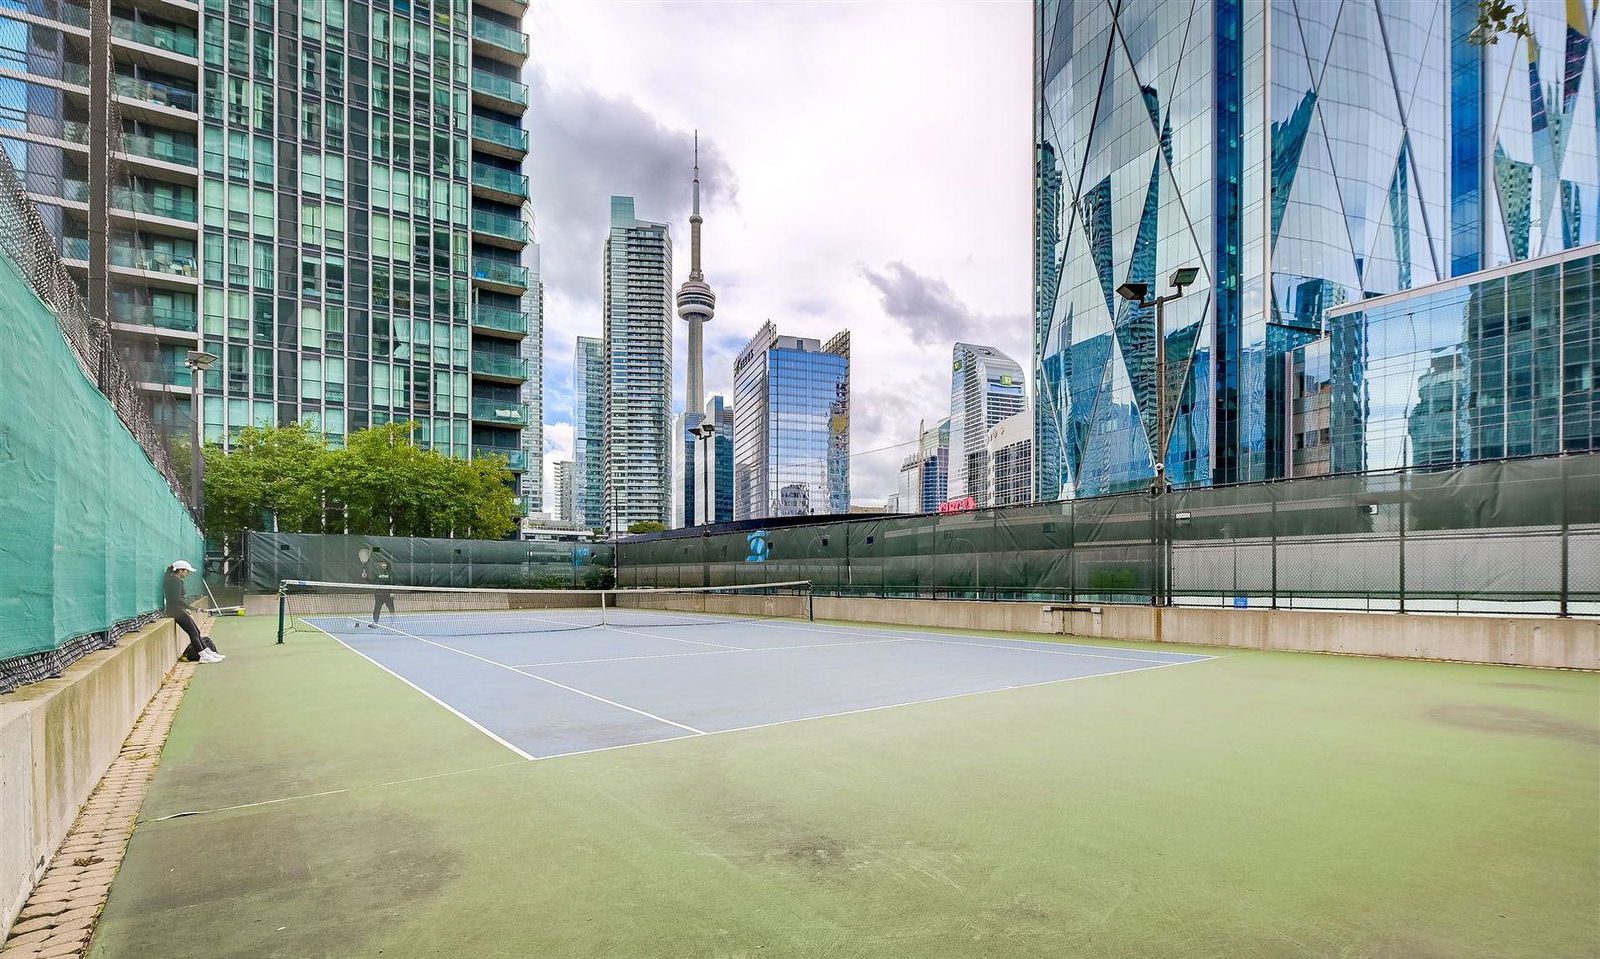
(863, 166)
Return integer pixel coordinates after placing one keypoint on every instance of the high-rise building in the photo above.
(1303, 158)
(986, 386)
(637, 353)
(713, 460)
(588, 431)
(531, 482)
(306, 191)
(565, 481)
(1010, 444)
(925, 474)
(791, 426)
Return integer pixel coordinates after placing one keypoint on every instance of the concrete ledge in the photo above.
(57, 738)
(1514, 641)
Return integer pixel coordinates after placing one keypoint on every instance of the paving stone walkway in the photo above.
(59, 917)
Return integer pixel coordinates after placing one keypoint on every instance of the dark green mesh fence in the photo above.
(88, 523)
(419, 561)
(1519, 536)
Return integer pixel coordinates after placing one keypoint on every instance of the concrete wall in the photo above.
(57, 738)
(1563, 643)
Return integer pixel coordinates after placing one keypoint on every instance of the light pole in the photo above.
(198, 362)
(1138, 294)
(705, 495)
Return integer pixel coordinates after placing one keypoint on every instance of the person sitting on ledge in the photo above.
(201, 649)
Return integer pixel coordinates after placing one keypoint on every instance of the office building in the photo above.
(1010, 457)
(985, 388)
(791, 426)
(588, 431)
(637, 377)
(304, 190)
(1303, 158)
(712, 489)
(925, 474)
(565, 481)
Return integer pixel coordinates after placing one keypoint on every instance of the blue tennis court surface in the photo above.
(544, 687)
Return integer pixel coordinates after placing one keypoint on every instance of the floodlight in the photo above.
(1184, 276)
(1133, 292)
(200, 361)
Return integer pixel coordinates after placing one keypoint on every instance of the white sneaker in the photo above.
(207, 656)
(219, 656)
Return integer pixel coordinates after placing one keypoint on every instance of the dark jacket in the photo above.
(172, 594)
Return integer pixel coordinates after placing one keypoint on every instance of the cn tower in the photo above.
(696, 302)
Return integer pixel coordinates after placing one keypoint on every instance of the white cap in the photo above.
(182, 564)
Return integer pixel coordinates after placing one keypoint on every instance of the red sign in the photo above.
(965, 504)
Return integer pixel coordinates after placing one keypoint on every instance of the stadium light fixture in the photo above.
(1133, 292)
(1184, 276)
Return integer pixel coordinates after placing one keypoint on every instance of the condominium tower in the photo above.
(637, 356)
(985, 388)
(588, 431)
(791, 426)
(327, 196)
(564, 493)
(1308, 160)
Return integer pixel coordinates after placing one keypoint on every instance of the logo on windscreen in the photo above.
(758, 547)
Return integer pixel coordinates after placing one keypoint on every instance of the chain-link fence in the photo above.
(1518, 536)
(271, 558)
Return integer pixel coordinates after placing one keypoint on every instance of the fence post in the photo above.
(1404, 492)
(1566, 566)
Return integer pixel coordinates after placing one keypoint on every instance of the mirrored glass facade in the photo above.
(588, 431)
(1301, 156)
(1497, 365)
(985, 388)
(791, 424)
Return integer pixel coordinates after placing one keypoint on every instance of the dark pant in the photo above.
(196, 641)
(379, 601)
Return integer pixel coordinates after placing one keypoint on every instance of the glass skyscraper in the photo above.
(637, 357)
(588, 431)
(925, 474)
(791, 426)
(325, 194)
(985, 388)
(1303, 157)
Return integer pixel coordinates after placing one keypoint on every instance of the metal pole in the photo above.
(283, 605)
(197, 459)
(1566, 566)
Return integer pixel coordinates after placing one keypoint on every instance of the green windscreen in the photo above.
(87, 523)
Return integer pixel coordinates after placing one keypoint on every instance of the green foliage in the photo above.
(1497, 17)
(647, 526)
(380, 483)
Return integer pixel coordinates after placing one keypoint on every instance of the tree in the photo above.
(647, 526)
(380, 483)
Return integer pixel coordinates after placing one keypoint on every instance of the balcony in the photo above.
(493, 133)
(74, 248)
(516, 459)
(499, 180)
(499, 35)
(501, 226)
(500, 88)
(167, 151)
(524, 506)
(153, 261)
(500, 414)
(150, 91)
(500, 319)
(170, 39)
(499, 273)
(156, 204)
(499, 366)
(75, 190)
(160, 317)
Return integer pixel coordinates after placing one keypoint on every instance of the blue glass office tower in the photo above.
(791, 426)
(1303, 157)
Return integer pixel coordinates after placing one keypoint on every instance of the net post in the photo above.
(811, 603)
(603, 620)
(283, 606)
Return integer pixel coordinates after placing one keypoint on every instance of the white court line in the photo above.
(711, 652)
(565, 622)
(570, 689)
(459, 714)
(916, 636)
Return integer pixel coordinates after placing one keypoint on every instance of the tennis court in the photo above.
(552, 682)
(834, 789)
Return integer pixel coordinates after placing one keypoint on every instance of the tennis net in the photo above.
(344, 608)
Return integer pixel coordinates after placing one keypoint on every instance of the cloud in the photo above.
(589, 146)
(926, 305)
